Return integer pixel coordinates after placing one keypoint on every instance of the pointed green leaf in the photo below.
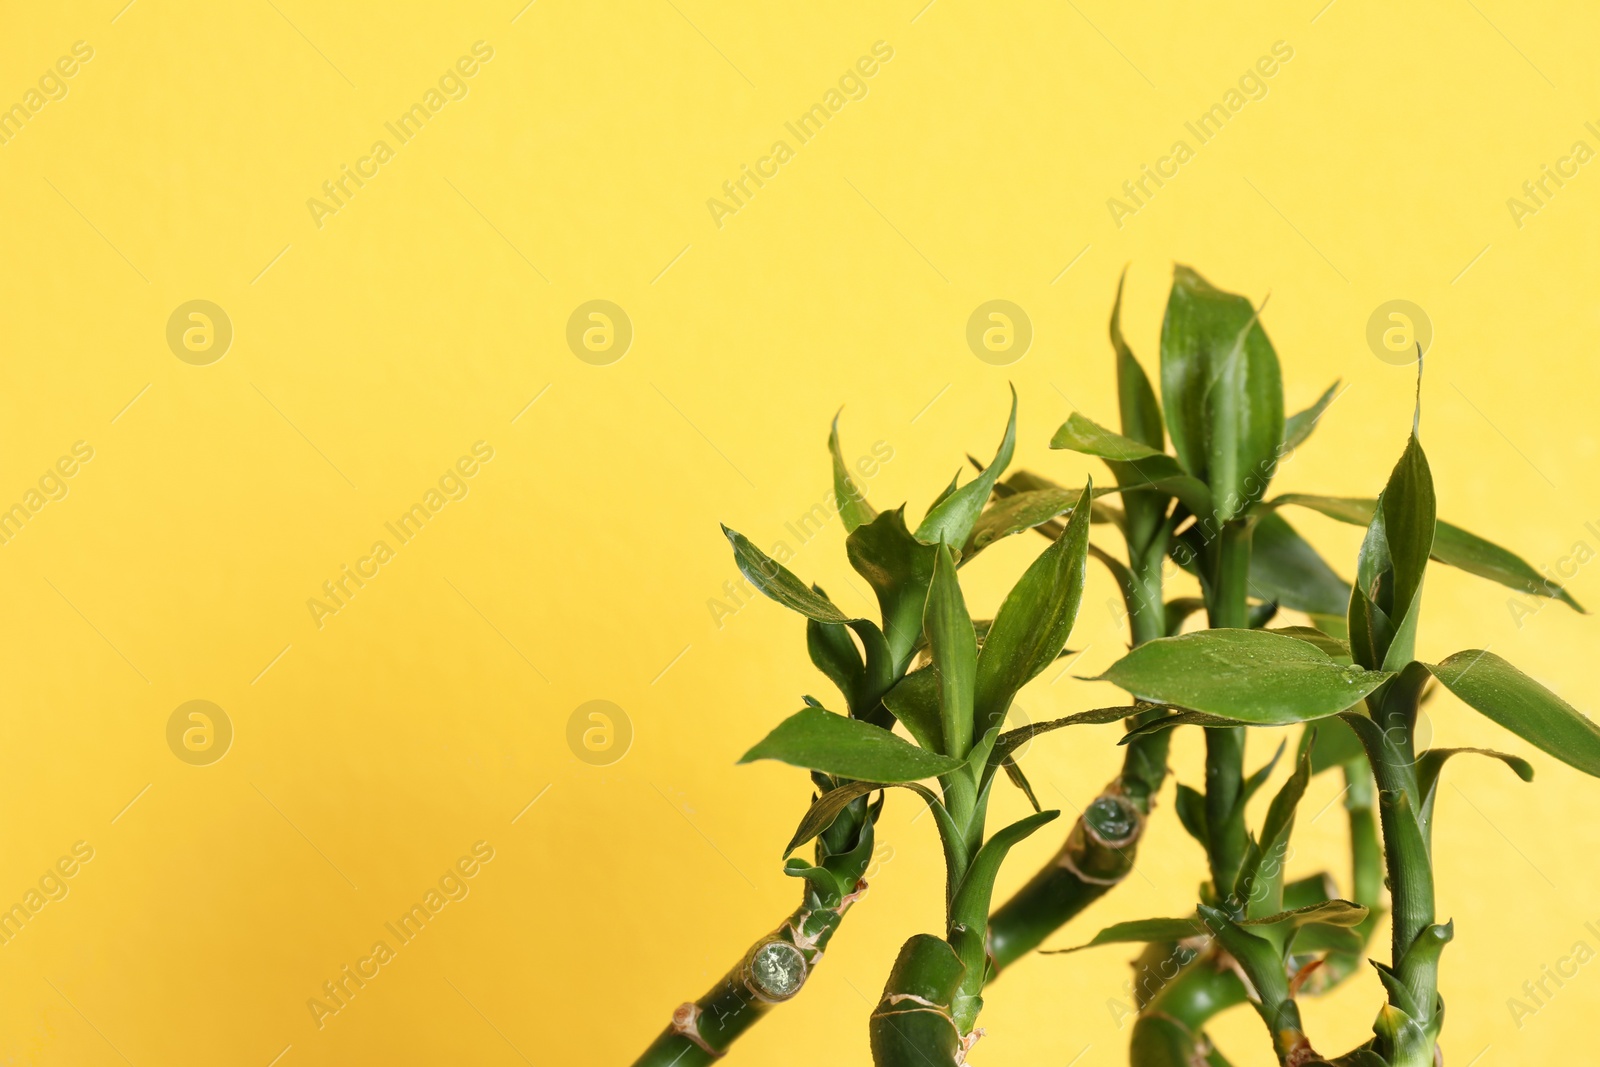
(1261, 873)
(1034, 622)
(1180, 718)
(1325, 912)
(1333, 646)
(1253, 784)
(955, 653)
(915, 702)
(825, 808)
(951, 519)
(1019, 511)
(1141, 423)
(1490, 685)
(1191, 805)
(1452, 546)
(1324, 926)
(820, 878)
(899, 568)
(1258, 957)
(779, 583)
(1136, 400)
(1298, 427)
(1012, 740)
(1253, 676)
(853, 506)
(1408, 523)
(970, 905)
(1284, 567)
(1179, 609)
(1082, 434)
(1223, 391)
(1020, 780)
(839, 745)
(834, 653)
(1139, 931)
(1334, 746)
(1431, 763)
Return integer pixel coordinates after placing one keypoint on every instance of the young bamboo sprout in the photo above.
(953, 709)
(1199, 510)
(864, 669)
(1231, 678)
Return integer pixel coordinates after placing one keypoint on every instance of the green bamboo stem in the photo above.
(769, 973)
(1097, 855)
(1170, 1030)
(776, 967)
(1102, 846)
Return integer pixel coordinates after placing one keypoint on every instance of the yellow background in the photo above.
(431, 309)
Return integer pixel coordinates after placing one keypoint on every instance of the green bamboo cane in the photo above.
(1102, 846)
(776, 966)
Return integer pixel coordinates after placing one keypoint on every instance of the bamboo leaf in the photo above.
(1082, 434)
(1180, 718)
(1029, 510)
(849, 748)
(1334, 745)
(1139, 931)
(1333, 646)
(1325, 912)
(899, 568)
(853, 506)
(1298, 427)
(1223, 391)
(1253, 784)
(1251, 676)
(1408, 525)
(1020, 780)
(914, 700)
(1284, 567)
(970, 904)
(1431, 764)
(1014, 739)
(1136, 400)
(1034, 622)
(779, 583)
(826, 807)
(1493, 687)
(1452, 546)
(834, 653)
(1260, 959)
(1179, 609)
(954, 645)
(951, 519)
(820, 878)
(1272, 846)
(1191, 805)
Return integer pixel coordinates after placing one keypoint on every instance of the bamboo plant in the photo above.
(1367, 688)
(949, 680)
(952, 708)
(1214, 346)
